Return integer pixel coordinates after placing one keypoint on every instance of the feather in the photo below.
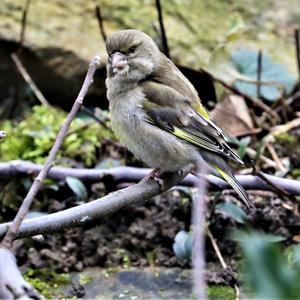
(232, 181)
(176, 115)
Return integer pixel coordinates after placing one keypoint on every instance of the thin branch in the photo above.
(259, 71)
(95, 117)
(293, 98)
(100, 22)
(162, 29)
(254, 101)
(23, 210)
(12, 284)
(132, 195)
(277, 130)
(297, 42)
(198, 221)
(221, 259)
(23, 25)
(79, 215)
(278, 189)
(29, 80)
(131, 174)
(253, 155)
(275, 157)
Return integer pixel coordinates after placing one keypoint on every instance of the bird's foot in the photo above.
(155, 175)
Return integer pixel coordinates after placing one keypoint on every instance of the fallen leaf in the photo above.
(232, 115)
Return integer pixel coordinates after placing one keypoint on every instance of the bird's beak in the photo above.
(118, 60)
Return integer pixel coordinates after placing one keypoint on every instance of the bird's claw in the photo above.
(160, 182)
(154, 174)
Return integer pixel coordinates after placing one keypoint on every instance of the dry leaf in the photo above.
(232, 115)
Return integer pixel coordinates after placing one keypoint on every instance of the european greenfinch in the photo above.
(157, 114)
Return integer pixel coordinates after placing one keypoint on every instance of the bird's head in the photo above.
(132, 55)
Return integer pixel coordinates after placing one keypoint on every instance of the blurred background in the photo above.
(243, 57)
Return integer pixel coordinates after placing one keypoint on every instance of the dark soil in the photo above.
(144, 235)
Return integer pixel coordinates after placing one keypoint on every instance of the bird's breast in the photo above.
(152, 145)
(127, 116)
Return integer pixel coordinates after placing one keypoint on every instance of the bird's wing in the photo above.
(169, 75)
(169, 110)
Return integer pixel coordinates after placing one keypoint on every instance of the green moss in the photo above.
(46, 281)
(109, 271)
(286, 138)
(220, 292)
(296, 173)
(33, 137)
(84, 279)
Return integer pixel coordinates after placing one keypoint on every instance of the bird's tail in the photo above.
(232, 181)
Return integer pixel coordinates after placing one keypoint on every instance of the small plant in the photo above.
(267, 271)
(33, 137)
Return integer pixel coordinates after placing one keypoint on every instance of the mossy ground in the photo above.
(46, 282)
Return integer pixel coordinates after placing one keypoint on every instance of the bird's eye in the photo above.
(132, 49)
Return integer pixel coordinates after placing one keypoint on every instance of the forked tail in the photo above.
(232, 181)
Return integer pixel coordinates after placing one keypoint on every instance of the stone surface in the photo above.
(148, 283)
(62, 37)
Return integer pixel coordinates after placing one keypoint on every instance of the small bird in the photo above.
(156, 112)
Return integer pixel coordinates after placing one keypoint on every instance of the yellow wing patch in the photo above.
(202, 111)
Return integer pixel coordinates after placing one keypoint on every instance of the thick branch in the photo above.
(131, 174)
(12, 284)
(23, 210)
(139, 193)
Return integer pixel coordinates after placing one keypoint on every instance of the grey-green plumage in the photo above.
(157, 114)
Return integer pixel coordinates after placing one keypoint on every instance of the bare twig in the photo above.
(277, 130)
(12, 284)
(253, 154)
(293, 98)
(254, 101)
(100, 22)
(275, 157)
(162, 29)
(23, 25)
(278, 189)
(95, 117)
(221, 259)
(23, 210)
(79, 215)
(131, 174)
(198, 220)
(29, 80)
(259, 71)
(132, 195)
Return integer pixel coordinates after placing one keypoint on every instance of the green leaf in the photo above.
(183, 245)
(233, 211)
(244, 142)
(266, 270)
(236, 29)
(246, 63)
(77, 187)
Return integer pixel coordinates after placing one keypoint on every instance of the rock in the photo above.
(62, 37)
